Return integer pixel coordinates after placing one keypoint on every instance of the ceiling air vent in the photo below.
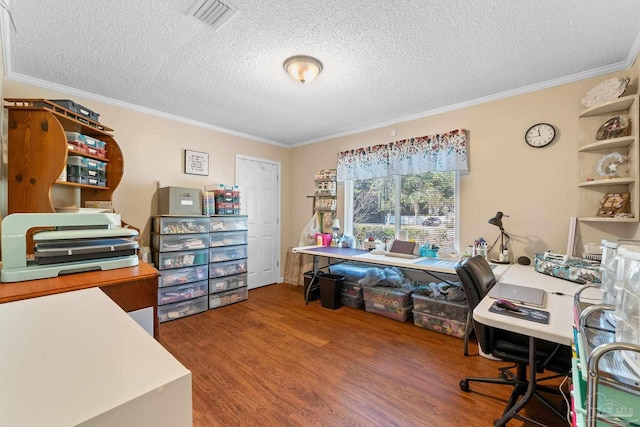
(212, 12)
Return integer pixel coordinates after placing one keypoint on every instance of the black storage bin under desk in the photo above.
(330, 290)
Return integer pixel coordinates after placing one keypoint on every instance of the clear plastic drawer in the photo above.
(229, 297)
(228, 238)
(227, 253)
(166, 260)
(177, 293)
(226, 283)
(229, 223)
(181, 276)
(179, 242)
(182, 309)
(227, 268)
(180, 224)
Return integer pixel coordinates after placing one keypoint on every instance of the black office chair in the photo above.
(477, 278)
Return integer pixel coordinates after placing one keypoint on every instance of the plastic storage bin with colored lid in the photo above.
(77, 108)
(86, 162)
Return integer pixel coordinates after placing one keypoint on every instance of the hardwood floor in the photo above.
(274, 361)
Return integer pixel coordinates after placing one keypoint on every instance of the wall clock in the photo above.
(540, 135)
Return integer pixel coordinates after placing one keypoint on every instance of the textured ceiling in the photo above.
(383, 61)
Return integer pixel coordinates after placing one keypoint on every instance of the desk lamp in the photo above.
(504, 237)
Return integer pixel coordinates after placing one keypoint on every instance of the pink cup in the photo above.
(326, 238)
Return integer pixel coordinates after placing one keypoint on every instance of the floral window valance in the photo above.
(439, 152)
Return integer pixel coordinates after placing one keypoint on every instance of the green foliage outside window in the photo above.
(427, 207)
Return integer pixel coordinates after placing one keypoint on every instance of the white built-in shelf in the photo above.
(606, 219)
(606, 182)
(619, 104)
(591, 152)
(623, 141)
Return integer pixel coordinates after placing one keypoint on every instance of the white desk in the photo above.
(558, 330)
(77, 359)
(560, 307)
(436, 265)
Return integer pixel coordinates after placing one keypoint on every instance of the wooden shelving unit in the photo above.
(325, 200)
(38, 151)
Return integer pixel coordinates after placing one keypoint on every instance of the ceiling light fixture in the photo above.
(302, 68)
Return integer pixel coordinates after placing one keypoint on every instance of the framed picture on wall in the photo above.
(196, 162)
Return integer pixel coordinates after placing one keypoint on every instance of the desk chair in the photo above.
(477, 278)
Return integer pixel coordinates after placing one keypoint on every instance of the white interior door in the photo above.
(259, 184)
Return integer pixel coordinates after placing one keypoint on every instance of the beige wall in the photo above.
(153, 152)
(536, 187)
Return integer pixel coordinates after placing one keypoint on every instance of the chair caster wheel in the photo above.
(464, 385)
(502, 375)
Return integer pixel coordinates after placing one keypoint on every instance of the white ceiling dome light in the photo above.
(302, 68)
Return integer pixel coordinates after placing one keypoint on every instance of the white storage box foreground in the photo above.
(77, 359)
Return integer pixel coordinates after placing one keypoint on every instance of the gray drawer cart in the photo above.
(180, 249)
(227, 260)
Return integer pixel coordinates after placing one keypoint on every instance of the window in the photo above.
(424, 205)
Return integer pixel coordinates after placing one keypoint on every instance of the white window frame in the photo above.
(348, 208)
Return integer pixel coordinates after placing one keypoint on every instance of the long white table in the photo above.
(436, 265)
(559, 304)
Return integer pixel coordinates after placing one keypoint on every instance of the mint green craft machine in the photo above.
(68, 226)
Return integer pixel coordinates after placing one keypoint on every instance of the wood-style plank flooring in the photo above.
(274, 361)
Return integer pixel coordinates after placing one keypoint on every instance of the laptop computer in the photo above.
(519, 294)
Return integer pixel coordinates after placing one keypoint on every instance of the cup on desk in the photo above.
(325, 238)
